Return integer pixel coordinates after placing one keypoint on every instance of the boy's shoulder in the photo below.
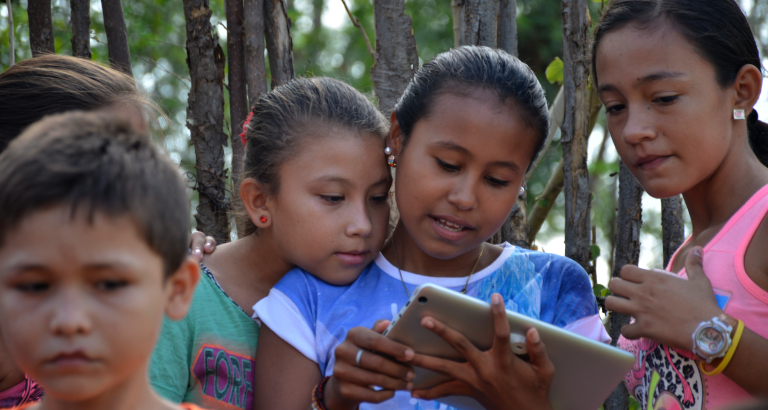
(545, 262)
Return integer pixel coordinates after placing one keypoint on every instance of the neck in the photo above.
(10, 375)
(714, 200)
(134, 393)
(254, 262)
(411, 258)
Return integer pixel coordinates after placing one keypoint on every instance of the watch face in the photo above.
(710, 341)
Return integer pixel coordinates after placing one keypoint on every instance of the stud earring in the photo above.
(522, 191)
(391, 161)
(387, 151)
(263, 219)
(738, 114)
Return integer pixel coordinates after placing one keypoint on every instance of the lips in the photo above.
(450, 227)
(650, 161)
(352, 257)
(72, 359)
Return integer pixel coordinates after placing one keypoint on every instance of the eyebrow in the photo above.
(658, 76)
(343, 181)
(455, 147)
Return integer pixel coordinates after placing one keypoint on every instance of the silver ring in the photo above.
(357, 358)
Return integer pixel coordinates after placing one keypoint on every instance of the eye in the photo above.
(667, 99)
(111, 284)
(332, 199)
(446, 166)
(614, 109)
(380, 198)
(497, 182)
(32, 287)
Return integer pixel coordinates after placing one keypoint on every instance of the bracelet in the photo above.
(728, 355)
(317, 394)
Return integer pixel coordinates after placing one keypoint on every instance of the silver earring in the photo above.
(522, 191)
(387, 151)
(738, 114)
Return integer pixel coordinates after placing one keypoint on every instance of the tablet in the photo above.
(586, 371)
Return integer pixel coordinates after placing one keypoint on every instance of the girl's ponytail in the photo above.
(758, 137)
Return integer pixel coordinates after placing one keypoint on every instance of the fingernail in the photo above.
(535, 336)
(197, 251)
(409, 376)
(429, 324)
(697, 251)
(495, 299)
(409, 386)
(408, 354)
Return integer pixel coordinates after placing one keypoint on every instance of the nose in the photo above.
(70, 314)
(639, 126)
(463, 195)
(360, 223)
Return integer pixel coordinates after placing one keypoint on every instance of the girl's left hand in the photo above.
(496, 378)
(666, 308)
(201, 245)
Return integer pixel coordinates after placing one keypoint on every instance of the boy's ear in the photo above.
(254, 196)
(180, 287)
(395, 136)
(747, 86)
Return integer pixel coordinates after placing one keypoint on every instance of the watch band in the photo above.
(728, 355)
(721, 325)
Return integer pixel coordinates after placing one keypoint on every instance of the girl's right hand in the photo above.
(351, 384)
(201, 245)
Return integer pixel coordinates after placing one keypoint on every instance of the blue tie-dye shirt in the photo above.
(314, 317)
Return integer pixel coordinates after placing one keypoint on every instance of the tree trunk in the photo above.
(40, 27)
(117, 36)
(396, 57)
(628, 224)
(672, 228)
(11, 35)
(205, 119)
(279, 43)
(507, 39)
(479, 21)
(575, 130)
(255, 66)
(81, 28)
(238, 98)
(456, 16)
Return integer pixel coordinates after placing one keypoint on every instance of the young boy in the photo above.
(94, 226)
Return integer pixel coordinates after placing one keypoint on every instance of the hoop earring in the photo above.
(391, 161)
(738, 114)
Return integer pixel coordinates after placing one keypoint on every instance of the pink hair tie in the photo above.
(245, 127)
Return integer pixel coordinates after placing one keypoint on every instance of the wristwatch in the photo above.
(712, 338)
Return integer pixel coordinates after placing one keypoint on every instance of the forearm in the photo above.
(749, 366)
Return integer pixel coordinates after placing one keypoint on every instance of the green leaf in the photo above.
(598, 290)
(554, 71)
(594, 252)
(544, 203)
(604, 293)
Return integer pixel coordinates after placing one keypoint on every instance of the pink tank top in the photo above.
(681, 384)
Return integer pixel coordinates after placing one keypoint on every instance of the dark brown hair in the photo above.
(717, 29)
(302, 108)
(96, 162)
(52, 84)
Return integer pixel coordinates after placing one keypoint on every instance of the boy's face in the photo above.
(81, 304)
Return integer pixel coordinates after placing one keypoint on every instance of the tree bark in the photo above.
(238, 97)
(396, 57)
(628, 224)
(672, 227)
(279, 43)
(479, 22)
(81, 28)
(575, 130)
(255, 66)
(507, 32)
(40, 27)
(205, 119)
(117, 36)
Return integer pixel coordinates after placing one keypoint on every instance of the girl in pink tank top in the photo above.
(679, 79)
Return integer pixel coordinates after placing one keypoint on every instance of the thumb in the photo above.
(693, 264)
(381, 325)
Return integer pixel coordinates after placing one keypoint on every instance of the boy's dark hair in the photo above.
(717, 29)
(96, 162)
(282, 118)
(52, 84)
(475, 67)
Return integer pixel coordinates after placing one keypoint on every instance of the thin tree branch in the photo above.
(356, 23)
(11, 32)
